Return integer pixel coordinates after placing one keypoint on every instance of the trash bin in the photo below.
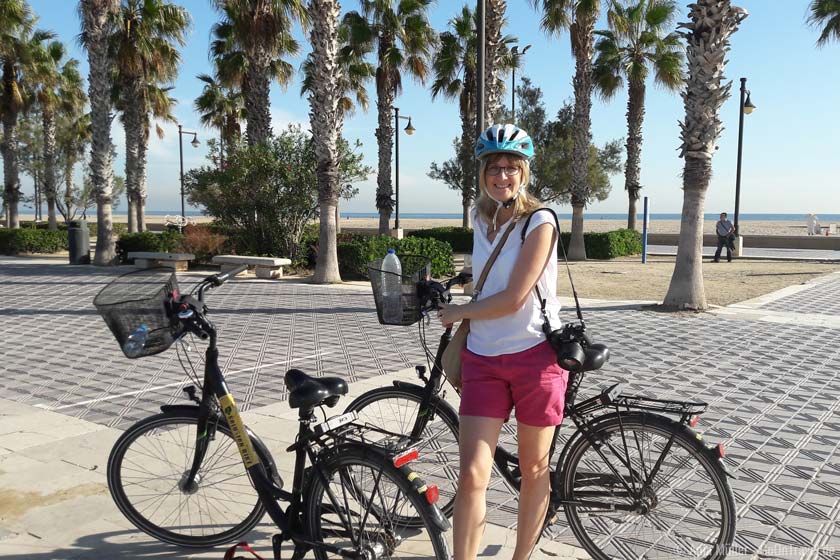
(79, 237)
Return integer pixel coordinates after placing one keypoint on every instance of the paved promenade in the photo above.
(769, 368)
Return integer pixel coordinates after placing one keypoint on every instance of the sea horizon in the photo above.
(786, 217)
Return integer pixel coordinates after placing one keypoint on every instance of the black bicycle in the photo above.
(179, 475)
(634, 480)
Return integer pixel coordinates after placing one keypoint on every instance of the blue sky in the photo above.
(791, 155)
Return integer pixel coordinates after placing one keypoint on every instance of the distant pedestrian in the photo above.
(725, 237)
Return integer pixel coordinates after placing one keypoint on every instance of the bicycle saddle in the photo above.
(596, 355)
(306, 391)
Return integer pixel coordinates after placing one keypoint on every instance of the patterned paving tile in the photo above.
(772, 388)
(823, 299)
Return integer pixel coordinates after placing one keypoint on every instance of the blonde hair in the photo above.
(524, 204)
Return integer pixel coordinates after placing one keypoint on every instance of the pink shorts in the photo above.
(529, 380)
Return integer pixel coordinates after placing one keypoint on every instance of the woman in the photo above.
(507, 362)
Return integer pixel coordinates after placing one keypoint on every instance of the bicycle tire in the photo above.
(164, 445)
(395, 409)
(691, 510)
(348, 498)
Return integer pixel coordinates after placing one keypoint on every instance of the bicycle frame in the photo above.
(610, 401)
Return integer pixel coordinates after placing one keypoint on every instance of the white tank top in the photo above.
(522, 329)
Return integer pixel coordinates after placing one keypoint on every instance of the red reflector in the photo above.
(405, 458)
(184, 307)
(721, 452)
(693, 421)
(432, 493)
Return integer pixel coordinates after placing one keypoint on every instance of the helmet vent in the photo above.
(501, 135)
(515, 133)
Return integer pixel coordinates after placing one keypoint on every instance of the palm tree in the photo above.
(494, 51)
(637, 41)
(221, 108)
(455, 68)
(159, 105)
(59, 90)
(578, 16)
(400, 33)
(144, 46)
(711, 24)
(350, 81)
(326, 117)
(825, 14)
(96, 16)
(253, 35)
(73, 135)
(17, 45)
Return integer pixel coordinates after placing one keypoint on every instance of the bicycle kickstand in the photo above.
(277, 543)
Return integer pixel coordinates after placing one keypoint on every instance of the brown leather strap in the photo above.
(492, 259)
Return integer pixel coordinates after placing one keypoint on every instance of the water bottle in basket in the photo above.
(392, 309)
(135, 342)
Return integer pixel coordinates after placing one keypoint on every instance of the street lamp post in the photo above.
(516, 56)
(744, 107)
(409, 129)
(195, 143)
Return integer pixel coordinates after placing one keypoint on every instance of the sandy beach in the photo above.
(748, 227)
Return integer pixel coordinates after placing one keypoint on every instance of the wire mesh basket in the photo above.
(143, 297)
(414, 269)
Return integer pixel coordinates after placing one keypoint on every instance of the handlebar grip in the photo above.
(220, 279)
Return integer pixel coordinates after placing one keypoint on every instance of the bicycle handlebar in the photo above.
(219, 279)
(432, 293)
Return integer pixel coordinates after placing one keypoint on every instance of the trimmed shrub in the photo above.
(32, 240)
(607, 245)
(165, 242)
(459, 238)
(354, 255)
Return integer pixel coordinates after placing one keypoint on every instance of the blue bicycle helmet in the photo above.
(504, 139)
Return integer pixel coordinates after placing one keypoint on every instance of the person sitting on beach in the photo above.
(725, 236)
(812, 224)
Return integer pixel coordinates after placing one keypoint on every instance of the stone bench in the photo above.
(146, 259)
(266, 267)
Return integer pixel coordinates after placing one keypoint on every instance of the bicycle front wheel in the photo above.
(396, 409)
(686, 511)
(359, 502)
(147, 473)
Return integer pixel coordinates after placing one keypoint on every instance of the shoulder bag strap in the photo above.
(491, 260)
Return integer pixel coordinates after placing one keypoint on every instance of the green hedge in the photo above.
(31, 240)
(602, 246)
(460, 238)
(165, 242)
(119, 228)
(355, 254)
(609, 244)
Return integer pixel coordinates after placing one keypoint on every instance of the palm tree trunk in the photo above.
(132, 123)
(581, 36)
(11, 177)
(95, 17)
(50, 187)
(707, 34)
(686, 289)
(632, 169)
(465, 155)
(68, 187)
(337, 217)
(326, 120)
(492, 83)
(385, 142)
(257, 103)
(142, 185)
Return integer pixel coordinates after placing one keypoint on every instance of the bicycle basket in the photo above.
(414, 269)
(143, 297)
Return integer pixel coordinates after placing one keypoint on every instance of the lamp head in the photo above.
(748, 106)
(409, 129)
(195, 143)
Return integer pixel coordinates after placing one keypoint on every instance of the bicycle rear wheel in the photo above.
(146, 477)
(358, 501)
(686, 512)
(395, 409)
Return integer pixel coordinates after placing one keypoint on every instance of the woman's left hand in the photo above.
(449, 313)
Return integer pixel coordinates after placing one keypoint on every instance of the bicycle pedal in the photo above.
(276, 544)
